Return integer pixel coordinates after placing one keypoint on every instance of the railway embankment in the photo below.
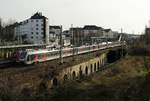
(31, 82)
(125, 80)
(17, 76)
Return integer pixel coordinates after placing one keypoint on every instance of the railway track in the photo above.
(8, 63)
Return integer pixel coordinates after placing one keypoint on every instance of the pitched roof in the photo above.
(76, 29)
(37, 15)
(91, 27)
(107, 30)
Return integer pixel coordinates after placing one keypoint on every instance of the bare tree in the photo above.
(1, 27)
(8, 30)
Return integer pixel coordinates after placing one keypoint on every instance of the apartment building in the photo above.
(34, 30)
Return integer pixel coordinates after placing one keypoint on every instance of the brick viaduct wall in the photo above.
(87, 68)
(80, 70)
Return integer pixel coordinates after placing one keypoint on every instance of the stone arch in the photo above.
(105, 60)
(91, 68)
(86, 70)
(98, 66)
(80, 72)
(55, 82)
(102, 61)
(111, 56)
(94, 67)
(65, 77)
(74, 75)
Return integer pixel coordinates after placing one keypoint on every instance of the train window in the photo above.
(22, 55)
(40, 56)
(49, 54)
(28, 58)
(32, 57)
(55, 53)
(52, 53)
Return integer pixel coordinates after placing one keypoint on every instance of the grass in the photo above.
(122, 81)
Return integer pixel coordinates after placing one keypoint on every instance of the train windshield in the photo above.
(23, 55)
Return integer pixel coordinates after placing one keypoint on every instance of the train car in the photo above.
(20, 56)
(83, 49)
(67, 52)
(33, 56)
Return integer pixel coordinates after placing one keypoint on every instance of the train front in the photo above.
(21, 56)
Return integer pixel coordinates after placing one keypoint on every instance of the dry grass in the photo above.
(120, 82)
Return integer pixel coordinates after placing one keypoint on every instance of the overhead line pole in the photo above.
(121, 43)
(61, 46)
(73, 41)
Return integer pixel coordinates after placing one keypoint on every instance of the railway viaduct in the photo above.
(86, 68)
(56, 74)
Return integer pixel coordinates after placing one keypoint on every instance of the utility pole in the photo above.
(107, 40)
(73, 41)
(121, 42)
(121, 30)
(61, 46)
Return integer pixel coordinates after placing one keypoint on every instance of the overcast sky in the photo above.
(131, 15)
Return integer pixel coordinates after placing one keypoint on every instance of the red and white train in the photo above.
(32, 56)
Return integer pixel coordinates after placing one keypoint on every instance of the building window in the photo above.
(37, 28)
(37, 33)
(31, 37)
(37, 37)
(31, 20)
(31, 32)
(37, 25)
(37, 20)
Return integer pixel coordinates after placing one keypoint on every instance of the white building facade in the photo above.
(33, 31)
(54, 36)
